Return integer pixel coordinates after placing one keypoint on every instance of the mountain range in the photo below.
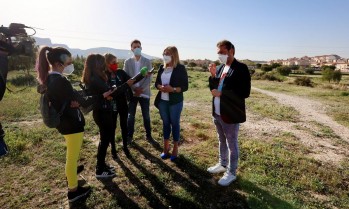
(120, 53)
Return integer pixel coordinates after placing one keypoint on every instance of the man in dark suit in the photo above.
(230, 85)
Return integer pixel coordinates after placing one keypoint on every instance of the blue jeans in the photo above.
(228, 143)
(132, 107)
(170, 115)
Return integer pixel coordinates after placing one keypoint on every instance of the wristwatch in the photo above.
(174, 89)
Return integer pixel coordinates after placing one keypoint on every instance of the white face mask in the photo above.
(68, 70)
(137, 51)
(167, 59)
(223, 58)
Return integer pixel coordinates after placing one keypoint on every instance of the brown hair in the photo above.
(174, 53)
(94, 66)
(227, 44)
(136, 41)
(54, 55)
(109, 57)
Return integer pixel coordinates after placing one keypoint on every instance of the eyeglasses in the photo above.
(166, 54)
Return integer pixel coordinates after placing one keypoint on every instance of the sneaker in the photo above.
(218, 168)
(109, 167)
(165, 156)
(227, 179)
(105, 174)
(79, 193)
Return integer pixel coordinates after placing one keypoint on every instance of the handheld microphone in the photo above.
(142, 73)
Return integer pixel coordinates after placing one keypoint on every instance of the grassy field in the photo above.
(273, 173)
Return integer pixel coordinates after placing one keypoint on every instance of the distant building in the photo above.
(316, 61)
(342, 65)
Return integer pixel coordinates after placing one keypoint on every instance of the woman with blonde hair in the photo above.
(171, 81)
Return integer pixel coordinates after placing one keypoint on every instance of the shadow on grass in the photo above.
(122, 199)
(201, 191)
(153, 200)
(260, 198)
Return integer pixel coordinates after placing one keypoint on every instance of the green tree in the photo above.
(327, 74)
(275, 65)
(309, 70)
(266, 68)
(156, 64)
(332, 67)
(258, 65)
(78, 66)
(192, 64)
(284, 70)
(337, 76)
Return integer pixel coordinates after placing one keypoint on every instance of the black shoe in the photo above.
(79, 193)
(105, 173)
(109, 167)
(80, 168)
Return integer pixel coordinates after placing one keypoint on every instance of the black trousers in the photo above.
(3, 77)
(123, 113)
(106, 122)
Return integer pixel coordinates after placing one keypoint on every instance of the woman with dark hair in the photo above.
(117, 77)
(171, 81)
(60, 92)
(96, 81)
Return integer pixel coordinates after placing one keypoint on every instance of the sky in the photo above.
(259, 29)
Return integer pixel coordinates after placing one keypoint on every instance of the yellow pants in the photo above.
(74, 142)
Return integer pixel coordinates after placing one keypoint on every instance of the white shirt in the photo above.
(165, 80)
(217, 100)
(137, 68)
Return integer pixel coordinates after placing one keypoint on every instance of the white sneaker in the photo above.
(218, 168)
(227, 179)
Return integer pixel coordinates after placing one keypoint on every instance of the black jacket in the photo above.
(179, 78)
(98, 86)
(60, 92)
(118, 79)
(236, 87)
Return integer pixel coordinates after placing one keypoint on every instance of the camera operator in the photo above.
(5, 50)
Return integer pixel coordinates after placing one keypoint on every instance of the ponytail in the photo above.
(42, 66)
(43, 61)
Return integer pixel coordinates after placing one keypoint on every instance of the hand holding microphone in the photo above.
(142, 73)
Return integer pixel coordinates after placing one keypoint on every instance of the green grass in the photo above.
(273, 172)
(267, 106)
(335, 100)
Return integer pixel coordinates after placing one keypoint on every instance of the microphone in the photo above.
(142, 73)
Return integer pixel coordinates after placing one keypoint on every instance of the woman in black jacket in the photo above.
(60, 92)
(117, 77)
(171, 81)
(96, 81)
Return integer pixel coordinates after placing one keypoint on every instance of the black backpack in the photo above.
(50, 116)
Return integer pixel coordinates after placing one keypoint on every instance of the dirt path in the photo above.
(328, 148)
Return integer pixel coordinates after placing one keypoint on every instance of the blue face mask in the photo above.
(137, 51)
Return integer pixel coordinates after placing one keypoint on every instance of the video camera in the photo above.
(15, 40)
